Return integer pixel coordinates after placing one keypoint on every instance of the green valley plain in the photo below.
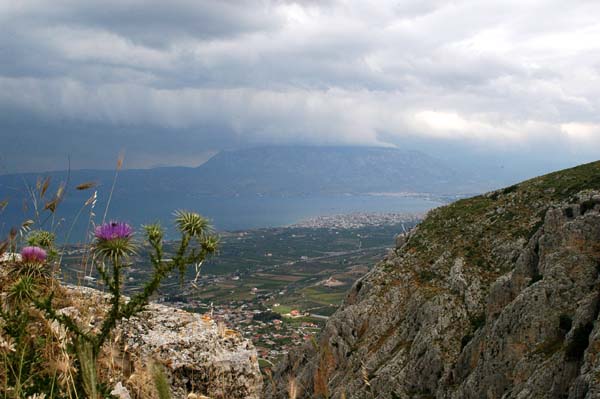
(277, 286)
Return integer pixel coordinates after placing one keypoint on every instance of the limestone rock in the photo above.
(493, 297)
(10, 257)
(120, 391)
(194, 353)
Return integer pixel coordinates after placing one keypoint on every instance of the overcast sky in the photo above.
(172, 82)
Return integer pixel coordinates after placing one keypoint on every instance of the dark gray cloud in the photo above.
(150, 23)
(172, 82)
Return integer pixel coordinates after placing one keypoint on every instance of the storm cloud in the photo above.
(174, 82)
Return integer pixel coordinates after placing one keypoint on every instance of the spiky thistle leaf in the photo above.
(41, 238)
(192, 223)
(154, 232)
(210, 244)
(117, 248)
(23, 290)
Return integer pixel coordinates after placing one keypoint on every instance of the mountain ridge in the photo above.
(281, 169)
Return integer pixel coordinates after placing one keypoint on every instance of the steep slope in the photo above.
(496, 296)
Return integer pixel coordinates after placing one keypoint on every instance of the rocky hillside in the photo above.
(496, 296)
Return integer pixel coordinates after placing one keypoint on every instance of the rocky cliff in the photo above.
(496, 296)
(198, 357)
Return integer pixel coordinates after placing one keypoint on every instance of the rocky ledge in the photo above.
(199, 357)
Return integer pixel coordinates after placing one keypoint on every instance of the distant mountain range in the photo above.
(309, 170)
(265, 172)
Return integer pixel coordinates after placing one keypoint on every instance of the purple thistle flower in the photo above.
(113, 230)
(33, 255)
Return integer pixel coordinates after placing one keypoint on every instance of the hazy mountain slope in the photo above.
(496, 296)
(287, 170)
(300, 170)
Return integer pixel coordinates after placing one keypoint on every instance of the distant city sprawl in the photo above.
(358, 220)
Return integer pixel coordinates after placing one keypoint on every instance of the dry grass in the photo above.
(58, 364)
(324, 369)
(292, 388)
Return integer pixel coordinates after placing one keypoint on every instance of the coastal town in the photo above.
(358, 220)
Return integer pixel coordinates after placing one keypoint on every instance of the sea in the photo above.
(253, 211)
(225, 213)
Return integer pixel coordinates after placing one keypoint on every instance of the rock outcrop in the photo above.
(497, 296)
(195, 353)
